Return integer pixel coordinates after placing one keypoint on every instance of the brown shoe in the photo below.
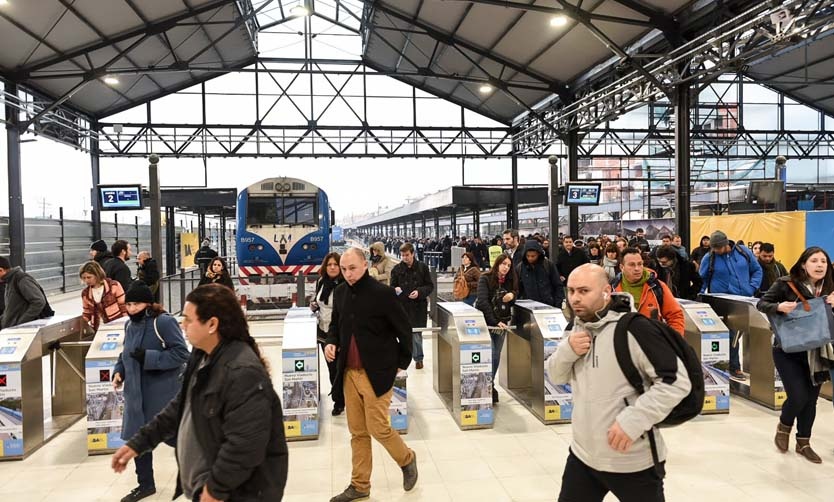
(419, 365)
(803, 447)
(783, 436)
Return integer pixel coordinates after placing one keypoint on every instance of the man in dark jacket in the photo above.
(100, 253)
(24, 298)
(772, 269)
(639, 241)
(370, 338)
(226, 418)
(204, 256)
(479, 249)
(569, 258)
(538, 277)
(148, 273)
(679, 274)
(412, 282)
(116, 268)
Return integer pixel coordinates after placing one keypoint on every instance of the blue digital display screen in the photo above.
(473, 331)
(583, 194)
(120, 197)
(109, 346)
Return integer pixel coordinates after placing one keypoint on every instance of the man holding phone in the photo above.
(412, 282)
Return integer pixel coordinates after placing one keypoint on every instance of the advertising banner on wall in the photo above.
(765, 227)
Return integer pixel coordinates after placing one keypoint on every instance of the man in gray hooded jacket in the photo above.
(610, 450)
(24, 298)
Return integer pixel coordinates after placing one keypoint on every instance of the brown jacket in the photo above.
(111, 307)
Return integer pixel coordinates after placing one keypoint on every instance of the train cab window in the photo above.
(281, 211)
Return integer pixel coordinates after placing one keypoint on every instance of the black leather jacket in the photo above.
(237, 420)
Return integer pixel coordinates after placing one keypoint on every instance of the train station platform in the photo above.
(520, 459)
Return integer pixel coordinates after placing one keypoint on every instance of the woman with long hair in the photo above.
(103, 299)
(470, 273)
(330, 277)
(611, 261)
(811, 276)
(217, 273)
(148, 367)
(226, 418)
(497, 292)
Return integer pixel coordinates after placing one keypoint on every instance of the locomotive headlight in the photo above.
(260, 247)
(253, 247)
(313, 246)
(305, 247)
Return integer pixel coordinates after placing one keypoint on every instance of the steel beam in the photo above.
(572, 145)
(682, 161)
(95, 171)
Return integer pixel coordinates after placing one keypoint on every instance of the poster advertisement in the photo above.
(476, 384)
(301, 394)
(779, 394)
(189, 245)
(715, 360)
(11, 416)
(558, 402)
(105, 407)
(398, 410)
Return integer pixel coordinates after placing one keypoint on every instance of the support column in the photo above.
(95, 214)
(17, 237)
(454, 224)
(436, 225)
(201, 226)
(513, 219)
(682, 167)
(476, 221)
(170, 241)
(553, 198)
(155, 202)
(423, 225)
(413, 229)
(573, 175)
(223, 233)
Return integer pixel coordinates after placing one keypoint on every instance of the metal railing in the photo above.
(174, 288)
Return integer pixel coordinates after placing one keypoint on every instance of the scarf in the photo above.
(327, 286)
(636, 289)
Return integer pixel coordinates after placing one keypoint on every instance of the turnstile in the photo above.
(762, 383)
(523, 371)
(105, 405)
(300, 375)
(707, 334)
(24, 424)
(462, 369)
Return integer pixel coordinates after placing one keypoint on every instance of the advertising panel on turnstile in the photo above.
(13, 349)
(300, 372)
(105, 405)
(475, 379)
(558, 400)
(398, 410)
(715, 356)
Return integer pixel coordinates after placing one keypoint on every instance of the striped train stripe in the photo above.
(264, 270)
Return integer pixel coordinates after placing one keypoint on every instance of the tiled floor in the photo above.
(712, 458)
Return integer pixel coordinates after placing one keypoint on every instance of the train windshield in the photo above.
(282, 211)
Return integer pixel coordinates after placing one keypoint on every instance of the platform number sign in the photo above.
(299, 365)
(476, 357)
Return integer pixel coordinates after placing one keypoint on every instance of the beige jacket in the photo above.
(381, 270)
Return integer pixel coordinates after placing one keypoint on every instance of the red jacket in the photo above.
(668, 310)
(112, 305)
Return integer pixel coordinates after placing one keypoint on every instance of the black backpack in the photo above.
(693, 403)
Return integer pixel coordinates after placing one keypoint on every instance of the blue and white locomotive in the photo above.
(283, 230)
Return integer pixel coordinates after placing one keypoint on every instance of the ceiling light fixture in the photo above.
(300, 11)
(558, 21)
(485, 89)
(109, 80)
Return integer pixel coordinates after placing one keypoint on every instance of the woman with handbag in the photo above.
(497, 291)
(331, 276)
(802, 372)
(468, 274)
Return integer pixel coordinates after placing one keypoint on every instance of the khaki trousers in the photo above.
(367, 415)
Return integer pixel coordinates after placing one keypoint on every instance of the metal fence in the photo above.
(174, 288)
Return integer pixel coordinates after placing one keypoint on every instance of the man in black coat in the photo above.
(370, 338)
(204, 255)
(148, 272)
(569, 258)
(412, 282)
(116, 268)
(539, 278)
(679, 274)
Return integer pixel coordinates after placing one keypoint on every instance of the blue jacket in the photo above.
(539, 281)
(149, 387)
(737, 272)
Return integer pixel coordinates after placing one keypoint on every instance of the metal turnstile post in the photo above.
(710, 338)
(523, 371)
(462, 369)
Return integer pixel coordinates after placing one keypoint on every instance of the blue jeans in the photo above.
(417, 347)
(735, 364)
(497, 337)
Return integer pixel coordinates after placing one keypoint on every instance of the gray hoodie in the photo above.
(600, 392)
